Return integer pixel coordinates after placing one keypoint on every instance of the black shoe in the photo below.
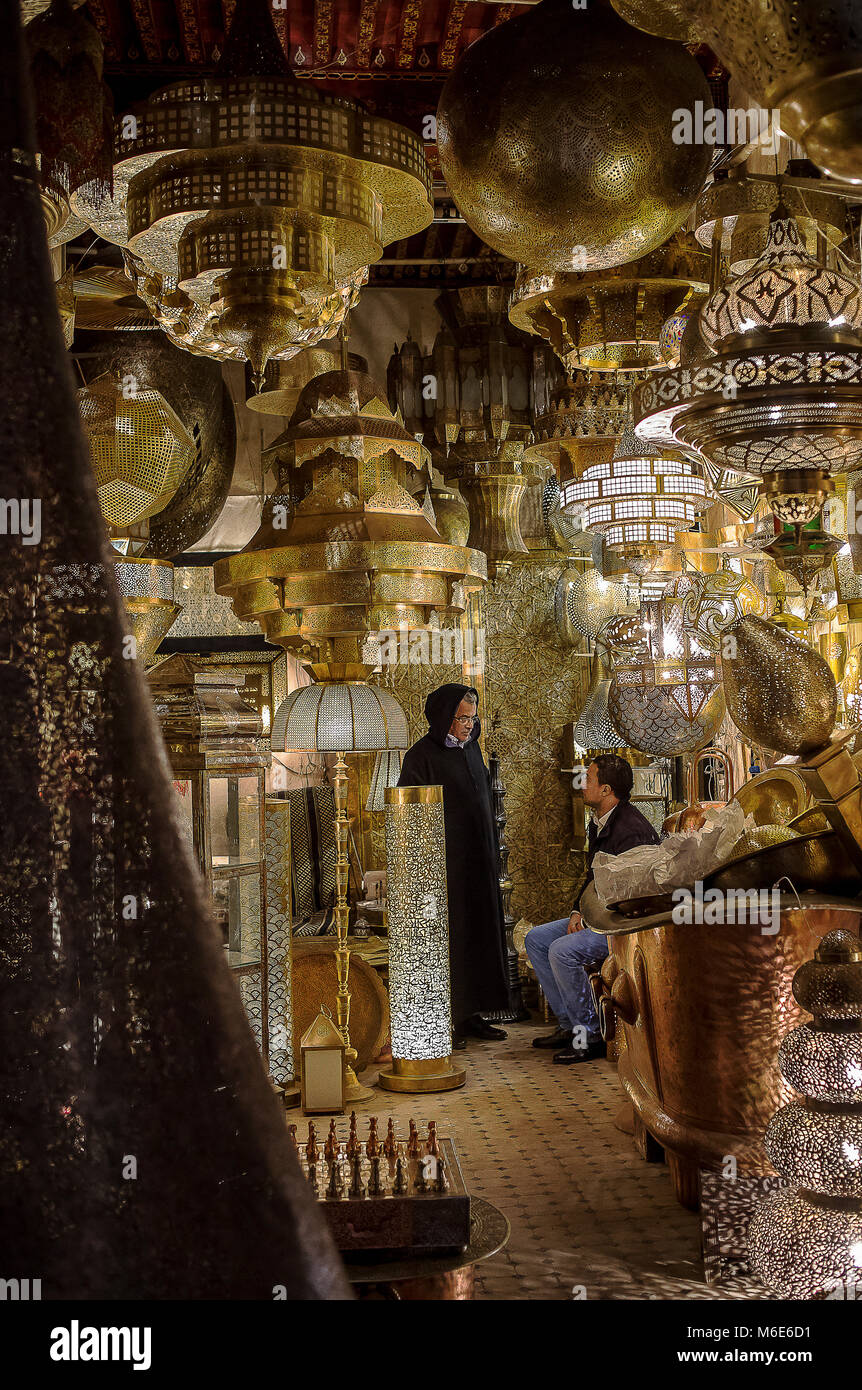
(589, 1053)
(459, 1042)
(561, 1037)
(476, 1027)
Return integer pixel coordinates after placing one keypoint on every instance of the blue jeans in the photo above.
(563, 962)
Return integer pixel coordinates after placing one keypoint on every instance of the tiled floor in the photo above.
(538, 1140)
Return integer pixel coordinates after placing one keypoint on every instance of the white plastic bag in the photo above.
(679, 861)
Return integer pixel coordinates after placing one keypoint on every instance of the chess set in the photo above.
(389, 1198)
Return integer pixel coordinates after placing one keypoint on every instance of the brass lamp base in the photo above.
(353, 1088)
(431, 1074)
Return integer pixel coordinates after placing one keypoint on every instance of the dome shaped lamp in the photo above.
(555, 138)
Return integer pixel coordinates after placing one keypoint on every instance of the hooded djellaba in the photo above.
(478, 972)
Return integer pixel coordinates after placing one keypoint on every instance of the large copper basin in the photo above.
(703, 1010)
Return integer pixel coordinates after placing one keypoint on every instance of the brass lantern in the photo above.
(211, 736)
(343, 548)
(141, 453)
(322, 1067)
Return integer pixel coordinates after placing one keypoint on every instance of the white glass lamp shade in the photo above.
(339, 717)
(387, 770)
(641, 497)
(419, 996)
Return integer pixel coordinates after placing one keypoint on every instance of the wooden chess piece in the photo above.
(330, 1148)
(413, 1142)
(334, 1189)
(372, 1148)
(291, 1132)
(356, 1187)
(352, 1141)
(431, 1145)
(374, 1186)
(399, 1187)
(312, 1178)
(390, 1147)
(442, 1181)
(311, 1150)
(419, 1183)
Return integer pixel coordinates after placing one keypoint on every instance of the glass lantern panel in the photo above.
(234, 820)
(237, 907)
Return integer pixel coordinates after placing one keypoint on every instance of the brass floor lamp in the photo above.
(340, 713)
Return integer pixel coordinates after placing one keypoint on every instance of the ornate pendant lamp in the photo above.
(476, 396)
(193, 388)
(554, 133)
(582, 424)
(804, 59)
(640, 500)
(141, 453)
(737, 208)
(252, 205)
(74, 107)
(611, 320)
(781, 396)
(593, 730)
(665, 696)
(344, 549)
(584, 602)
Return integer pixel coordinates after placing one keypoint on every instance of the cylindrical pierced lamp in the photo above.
(419, 996)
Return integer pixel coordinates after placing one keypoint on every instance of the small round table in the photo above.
(434, 1277)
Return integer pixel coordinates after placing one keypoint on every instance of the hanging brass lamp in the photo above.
(611, 319)
(344, 550)
(141, 453)
(252, 204)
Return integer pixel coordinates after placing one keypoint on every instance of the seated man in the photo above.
(565, 953)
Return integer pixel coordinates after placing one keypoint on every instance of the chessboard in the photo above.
(395, 1197)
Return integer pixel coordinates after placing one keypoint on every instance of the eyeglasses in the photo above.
(466, 719)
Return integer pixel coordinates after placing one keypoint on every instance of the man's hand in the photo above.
(575, 923)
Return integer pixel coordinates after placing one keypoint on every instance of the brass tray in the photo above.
(315, 982)
(815, 862)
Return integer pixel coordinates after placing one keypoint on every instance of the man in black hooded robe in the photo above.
(449, 756)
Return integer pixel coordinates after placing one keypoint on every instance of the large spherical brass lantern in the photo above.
(555, 133)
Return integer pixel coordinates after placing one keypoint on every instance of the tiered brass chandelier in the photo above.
(253, 205)
(611, 319)
(343, 549)
(640, 500)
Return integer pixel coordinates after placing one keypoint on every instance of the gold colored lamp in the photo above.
(420, 999)
(340, 713)
(141, 453)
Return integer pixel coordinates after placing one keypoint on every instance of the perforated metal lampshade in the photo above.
(387, 770)
(339, 717)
